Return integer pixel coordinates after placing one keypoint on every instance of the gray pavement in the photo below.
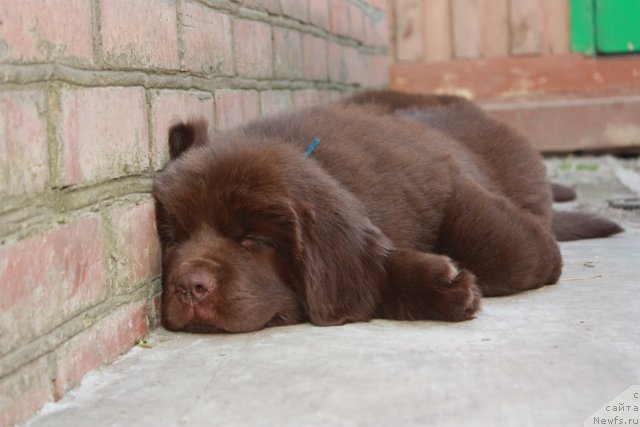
(550, 357)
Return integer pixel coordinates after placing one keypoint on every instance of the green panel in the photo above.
(582, 26)
(617, 26)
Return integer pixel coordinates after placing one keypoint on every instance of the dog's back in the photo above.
(502, 153)
(513, 165)
(389, 164)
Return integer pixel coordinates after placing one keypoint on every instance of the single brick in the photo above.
(319, 13)
(252, 42)
(337, 65)
(169, 107)
(142, 33)
(378, 4)
(275, 101)
(377, 70)
(207, 40)
(101, 343)
(266, 5)
(330, 96)
(23, 392)
(121, 330)
(357, 22)
(376, 30)
(356, 68)
(155, 316)
(296, 9)
(235, 107)
(56, 275)
(339, 17)
(288, 54)
(103, 132)
(382, 31)
(41, 31)
(24, 156)
(305, 98)
(74, 359)
(137, 251)
(315, 57)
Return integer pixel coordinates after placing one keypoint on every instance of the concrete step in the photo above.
(565, 125)
(550, 357)
(563, 103)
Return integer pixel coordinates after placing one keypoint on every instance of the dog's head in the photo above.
(254, 235)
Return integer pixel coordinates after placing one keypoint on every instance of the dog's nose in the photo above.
(195, 286)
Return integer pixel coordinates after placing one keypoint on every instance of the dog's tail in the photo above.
(568, 225)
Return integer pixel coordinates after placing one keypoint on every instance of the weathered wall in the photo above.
(515, 56)
(443, 30)
(88, 91)
(487, 49)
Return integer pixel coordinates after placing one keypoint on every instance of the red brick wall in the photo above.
(89, 89)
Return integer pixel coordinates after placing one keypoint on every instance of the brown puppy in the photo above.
(385, 217)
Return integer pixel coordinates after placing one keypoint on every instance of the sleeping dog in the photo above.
(385, 205)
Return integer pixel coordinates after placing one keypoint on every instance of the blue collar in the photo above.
(312, 147)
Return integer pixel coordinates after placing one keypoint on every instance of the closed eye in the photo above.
(254, 242)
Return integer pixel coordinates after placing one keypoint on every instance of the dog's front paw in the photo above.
(459, 299)
(429, 286)
(452, 292)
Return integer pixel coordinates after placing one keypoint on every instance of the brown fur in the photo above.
(491, 139)
(562, 193)
(387, 217)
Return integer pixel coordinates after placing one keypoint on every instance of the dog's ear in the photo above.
(186, 135)
(343, 260)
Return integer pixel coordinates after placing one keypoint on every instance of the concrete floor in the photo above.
(550, 357)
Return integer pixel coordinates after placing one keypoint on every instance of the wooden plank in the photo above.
(583, 38)
(581, 124)
(408, 31)
(556, 35)
(437, 30)
(494, 26)
(466, 29)
(525, 23)
(522, 76)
